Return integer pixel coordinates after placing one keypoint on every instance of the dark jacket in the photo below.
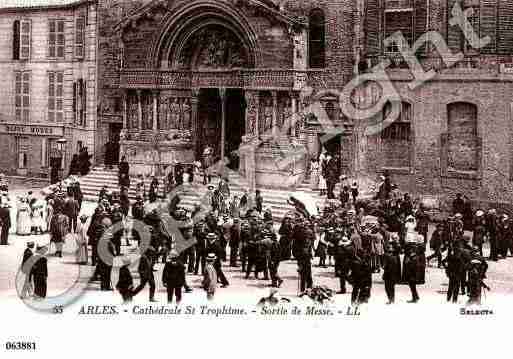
(40, 268)
(125, 280)
(5, 218)
(173, 275)
(392, 268)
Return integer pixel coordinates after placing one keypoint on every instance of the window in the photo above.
(55, 94)
(398, 20)
(397, 140)
(80, 102)
(317, 38)
(473, 25)
(56, 39)
(21, 39)
(22, 96)
(22, 149)
(463, 143)
(79, 37)
(400, 129)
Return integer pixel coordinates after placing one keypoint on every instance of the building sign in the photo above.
(33, 130)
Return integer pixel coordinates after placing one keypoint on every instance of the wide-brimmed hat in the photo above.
(480, 213)
(458, 215)
(210, 187)
(211, 257)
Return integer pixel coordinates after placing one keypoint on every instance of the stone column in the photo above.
(195, 125)
(222, 94)
(139, 110)
(155, 95)
(275, 129)
(295, 116)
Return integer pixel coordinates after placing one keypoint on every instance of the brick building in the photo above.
(454, 132)
(48, 66)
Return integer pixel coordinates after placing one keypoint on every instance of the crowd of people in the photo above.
(387, 234)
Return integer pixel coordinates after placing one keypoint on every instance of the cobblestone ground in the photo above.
(63, 272)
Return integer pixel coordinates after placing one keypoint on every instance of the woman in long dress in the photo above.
(23, 220)
(38, 222)
(82, 254)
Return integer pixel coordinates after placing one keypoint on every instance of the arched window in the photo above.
(397, 139)
(316, 39)
(462, 138)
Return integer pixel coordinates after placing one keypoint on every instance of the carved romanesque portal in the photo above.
(212, 47)
(210, 117)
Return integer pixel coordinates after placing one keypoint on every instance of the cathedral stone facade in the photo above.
(224, 74)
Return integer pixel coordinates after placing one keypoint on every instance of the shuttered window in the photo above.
(80, 101)
(372, 27)
(55, 96)
(21, 43)
(473, 24)
(505, 27)
(317, 39)
(488, 25)
(79, 37)
(22, 96)
(56, 40)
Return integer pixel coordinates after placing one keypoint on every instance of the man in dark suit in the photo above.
(40, 273)
(214, 246)
(173, 277)
(145, 270)
(391, 272)
(28, 287)
(5, 223)
(71, 209)
(302, 251)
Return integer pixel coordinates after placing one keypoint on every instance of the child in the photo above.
(125, 284)
(210, 276)
(173, 277)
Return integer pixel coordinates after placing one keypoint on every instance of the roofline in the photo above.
(47, 7)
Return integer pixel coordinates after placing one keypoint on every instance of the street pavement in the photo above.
(64, 272)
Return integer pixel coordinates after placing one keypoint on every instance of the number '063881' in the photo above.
(20, 346)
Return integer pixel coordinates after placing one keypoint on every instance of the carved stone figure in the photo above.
(186, 115)
(286, 117)
(163, 114)
(174, 115)
(268, 116)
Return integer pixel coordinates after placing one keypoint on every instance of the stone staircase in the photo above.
(191, 194)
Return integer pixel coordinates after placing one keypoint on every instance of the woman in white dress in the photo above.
(38, 222)
(82, 253)
(23, 220)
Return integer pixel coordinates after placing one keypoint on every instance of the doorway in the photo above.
(210, 119)
(114, 132)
